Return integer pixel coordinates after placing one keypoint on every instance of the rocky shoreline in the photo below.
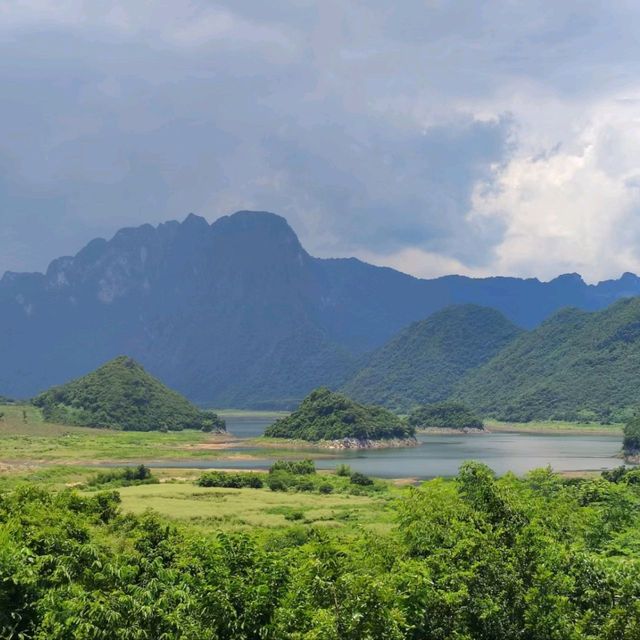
(364, 443)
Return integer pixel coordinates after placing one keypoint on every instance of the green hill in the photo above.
(422, 364)
(122, 395)
(445, 415)
(325, 415)
(576, 365)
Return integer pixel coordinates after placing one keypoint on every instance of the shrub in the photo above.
(277, 483)
(230, 480)
(124, 477)
(360, 479)
(343, 470)
(305, 485)
(296, 467)
(325, 488)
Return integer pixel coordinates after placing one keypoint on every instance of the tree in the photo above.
(631, 442)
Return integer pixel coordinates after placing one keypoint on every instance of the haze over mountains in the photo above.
(237, 313)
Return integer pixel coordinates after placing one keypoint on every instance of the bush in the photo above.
(343, 470)
(296, 467)
(124, 477)
(360, 479)
(325, 488)
(230, 480)
(294, 515)
(277, 483)
(305, 485)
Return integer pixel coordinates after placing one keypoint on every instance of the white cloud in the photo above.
(569, 197)
(421, 263)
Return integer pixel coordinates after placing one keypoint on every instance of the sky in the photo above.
(472, 137)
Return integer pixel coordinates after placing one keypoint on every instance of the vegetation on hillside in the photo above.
(325, 415)
(575, 366)
(631, 440)
(122, 395)
(444, 415)
(475, 558)
(422, 364)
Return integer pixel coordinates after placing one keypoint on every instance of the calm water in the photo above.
(442, 455)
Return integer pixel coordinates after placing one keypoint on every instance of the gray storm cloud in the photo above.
(435, 137)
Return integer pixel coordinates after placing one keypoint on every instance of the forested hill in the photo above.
(236, 313)
(325, 415)
(575, 365)
(122, 395)
(423, 363)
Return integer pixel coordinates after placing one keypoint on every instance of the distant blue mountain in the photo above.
(236, 313)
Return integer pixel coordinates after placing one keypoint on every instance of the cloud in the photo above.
(574, 206)
(476, 137)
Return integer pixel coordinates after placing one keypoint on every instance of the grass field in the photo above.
(239, 509)
(25, 437)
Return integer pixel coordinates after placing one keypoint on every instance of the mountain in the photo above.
(423, 362)
(575, 365)
(122, 395)
(325, 415)
(235, 313)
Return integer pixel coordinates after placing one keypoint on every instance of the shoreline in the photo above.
(333, 445)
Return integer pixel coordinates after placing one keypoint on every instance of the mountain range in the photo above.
(237, 313)
(575, 366)
(424, 362)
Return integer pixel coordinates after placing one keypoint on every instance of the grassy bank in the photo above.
(25, 437)
(558, 427)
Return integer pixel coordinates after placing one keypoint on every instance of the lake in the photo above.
(442, 455)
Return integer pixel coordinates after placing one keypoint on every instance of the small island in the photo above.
(332, 420)
(445, 416)
(122, 395)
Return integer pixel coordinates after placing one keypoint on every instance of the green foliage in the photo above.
(450, 415)
(575, 366)
(355, 484)
(422, 364)
(631, 441)
(123, 477)
(231, 480)
(477, 558)
(297, 467)
(343, 470)
(360, 479)
(122, 395)
(324, 415)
